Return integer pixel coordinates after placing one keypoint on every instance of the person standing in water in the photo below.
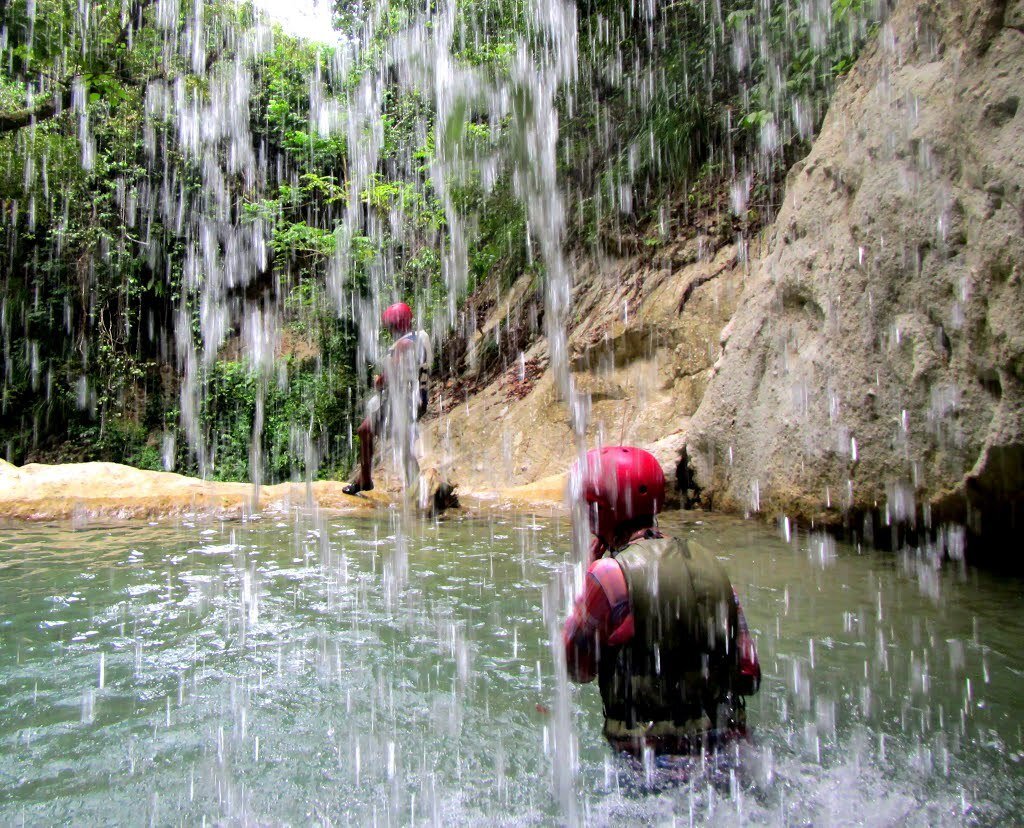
(658, 622)
(402, 394)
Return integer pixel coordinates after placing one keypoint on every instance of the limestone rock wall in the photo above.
(865, 367)
(876, 356)
(644, 336)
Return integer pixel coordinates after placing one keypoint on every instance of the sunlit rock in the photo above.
(101, 491)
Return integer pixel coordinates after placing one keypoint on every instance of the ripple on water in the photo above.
(266, 673)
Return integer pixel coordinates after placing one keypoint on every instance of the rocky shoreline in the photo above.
(90, 492)
(111, 491)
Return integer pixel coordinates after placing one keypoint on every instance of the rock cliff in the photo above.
(643, 339)
(875, 362)
(864, 365)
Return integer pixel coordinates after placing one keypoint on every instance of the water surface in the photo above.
(327, 670)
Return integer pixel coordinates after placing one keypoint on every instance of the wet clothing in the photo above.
(406, 365)
(422, 358)
(661, 628)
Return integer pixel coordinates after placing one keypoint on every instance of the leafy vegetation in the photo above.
(680, 99)
(672, 102)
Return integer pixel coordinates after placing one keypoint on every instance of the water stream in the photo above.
(336, 670)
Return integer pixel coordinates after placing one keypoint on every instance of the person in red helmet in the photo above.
(402, 387)
(658, 622)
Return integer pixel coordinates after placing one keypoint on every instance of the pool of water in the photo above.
(329, 670)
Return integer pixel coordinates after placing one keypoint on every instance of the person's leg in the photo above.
(412, 464)
(364, 480)
(370, 426)
(365, 433)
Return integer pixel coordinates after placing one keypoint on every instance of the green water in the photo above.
(336, 670)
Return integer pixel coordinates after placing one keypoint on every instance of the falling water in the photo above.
(400, 670)
(199, 215)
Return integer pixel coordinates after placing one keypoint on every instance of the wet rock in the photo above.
(110, 491)
(435, 493)
(1014, 18)
(641, 361)
(852, 370)
(1000, 112)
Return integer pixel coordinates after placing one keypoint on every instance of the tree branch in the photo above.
(12, 121)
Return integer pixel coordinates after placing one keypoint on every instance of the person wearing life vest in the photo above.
(658, 623)
(402, 391)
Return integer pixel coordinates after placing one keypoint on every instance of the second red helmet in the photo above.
(397, 318)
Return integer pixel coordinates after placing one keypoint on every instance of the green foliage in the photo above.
(756, 119)
(299, 238)
(88, 312)
(660, 98)
(809, 68)
(304, 405)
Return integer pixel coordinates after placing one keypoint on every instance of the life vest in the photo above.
(422, 360)
(673, 679)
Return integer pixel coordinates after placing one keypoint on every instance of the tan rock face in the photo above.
(111, 491)
(869, 360)
(643, 365)
(877, 352)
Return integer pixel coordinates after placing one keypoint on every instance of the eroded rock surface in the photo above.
(104, 491)
(643, 364)
(876, 357)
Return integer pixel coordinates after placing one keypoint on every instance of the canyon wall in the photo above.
(862, 363)
(875, 362)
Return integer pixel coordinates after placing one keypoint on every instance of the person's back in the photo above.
(406, 370)
(675, 681)
(658, 623)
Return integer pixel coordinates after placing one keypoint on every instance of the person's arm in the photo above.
(426, 350)
(748, 673)
(599, 618)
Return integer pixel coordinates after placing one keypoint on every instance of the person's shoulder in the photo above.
(604, 568)
(610, 578)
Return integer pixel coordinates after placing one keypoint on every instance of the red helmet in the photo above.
(398, 318)
(623, 483)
